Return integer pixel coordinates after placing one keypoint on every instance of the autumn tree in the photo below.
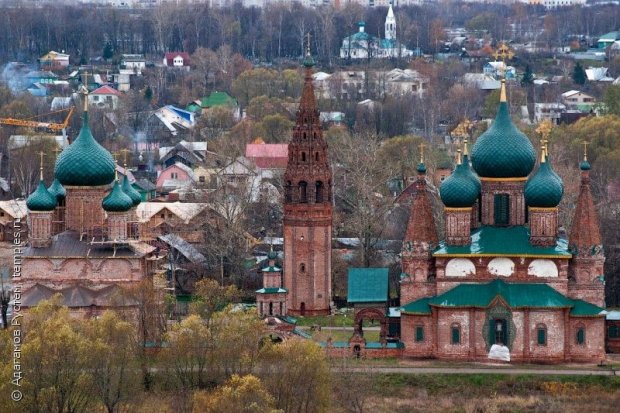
(112, 362)
(240, 394)
(55, 357)
(297, 373)
(189, 356)
(210, 297)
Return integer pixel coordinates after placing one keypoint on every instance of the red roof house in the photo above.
(176, 59)
(268, 155)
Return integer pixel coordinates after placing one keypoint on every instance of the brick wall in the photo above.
(84, 211)
(458, 226)
(543, 226)
(40, 228)
(514, 189)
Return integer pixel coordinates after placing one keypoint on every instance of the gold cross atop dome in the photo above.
(503, 53)
(585, 150)
(84, 90)
(125, 152)
(42, 154)
(421, 146)
(544, 129)
(308, 43)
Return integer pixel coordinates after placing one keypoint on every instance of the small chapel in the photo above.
(82, 240)
(363, 45)
(501, 277)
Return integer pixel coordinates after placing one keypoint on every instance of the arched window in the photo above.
(303, 157)
(580, 338)
(455, 333)
(419, 334)
(304, 135)
(288, 192)
(501, 209)
(303, 192)
(302, 268)
(316, 156)
(541, 334)
(319, 191)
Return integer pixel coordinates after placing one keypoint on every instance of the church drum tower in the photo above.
(307, 210)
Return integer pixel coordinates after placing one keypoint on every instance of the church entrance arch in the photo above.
(302, 309)
(370, 314)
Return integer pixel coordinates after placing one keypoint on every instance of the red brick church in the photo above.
(502, 282)
(80, 241)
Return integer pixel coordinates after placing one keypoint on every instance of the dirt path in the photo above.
(472, 370)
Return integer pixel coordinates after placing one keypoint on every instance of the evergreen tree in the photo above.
(148, 94)
(579, 74)
(108, 52)
(528, 77)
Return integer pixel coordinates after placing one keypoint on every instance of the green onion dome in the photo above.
(117, 200)
(459, 190)
(41, 199)
(421, 168)
(57, 190)
(471, 173)
(131, 192)
(272, 255)
(85, 162)
(545, 188)
(585, 165)
(503, 151)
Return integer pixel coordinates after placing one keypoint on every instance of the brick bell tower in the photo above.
(307, 210)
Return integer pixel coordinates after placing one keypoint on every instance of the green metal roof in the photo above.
(271, 290)
(367, 285)
(502, 242)
(131, 192)
(41, 199)
(461, 188)
(85, 162)
(217, 99)
(57, 190)
(584, 309)
(544, 189)
(503, 151)
(516, 295)
(117, 200)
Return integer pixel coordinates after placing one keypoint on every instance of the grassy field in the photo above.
(475, 393)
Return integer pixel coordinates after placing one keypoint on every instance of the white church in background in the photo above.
(363, 45)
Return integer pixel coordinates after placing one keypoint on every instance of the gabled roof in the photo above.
(515, 295)
(268, 155)
(15, 208)
(367, 285)
(145, 185)
(185, 248)
(184, 210)
(106, 90)
(170, 56)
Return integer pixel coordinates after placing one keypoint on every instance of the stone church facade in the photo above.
(79, 233)
(502, 278)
